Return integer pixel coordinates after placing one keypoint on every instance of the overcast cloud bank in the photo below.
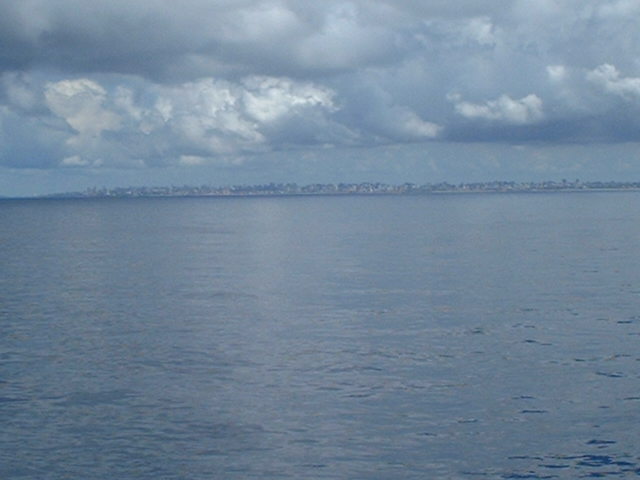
(155, 83)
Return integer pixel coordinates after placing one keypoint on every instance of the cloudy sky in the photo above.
(158, 92)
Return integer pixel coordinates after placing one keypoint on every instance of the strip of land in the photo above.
(364, 188)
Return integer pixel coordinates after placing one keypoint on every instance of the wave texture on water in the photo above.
(448, 337)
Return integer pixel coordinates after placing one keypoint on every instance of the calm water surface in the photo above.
(437, 337)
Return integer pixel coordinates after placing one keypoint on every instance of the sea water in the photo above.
(354, 337)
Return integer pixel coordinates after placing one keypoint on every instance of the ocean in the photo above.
(453, 336)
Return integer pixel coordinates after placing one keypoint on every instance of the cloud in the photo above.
(184, 124)
(347, 38)
(128, 124)
(266, 99)
(415, 126)
(221, 117)
(121, 83)
(481, 30)
(81, 104)
(19, 91)
(619, 9)
(207, 116)
(196, 38)
(192, 160)
(608, 77)
(192, 39)
(504, 109)
(78, 161)
(557, 73)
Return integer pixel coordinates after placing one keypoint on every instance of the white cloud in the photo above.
(187, 123)
(164, 107)
(74, 161)
(414, 126)
(504, 109)
(221, 117)
(80, 103)
(124, 100)
(608, 77)
(192, 160)
(480, 30)
(78, 161)
(266, 98)
(207, 114)
(556, 73)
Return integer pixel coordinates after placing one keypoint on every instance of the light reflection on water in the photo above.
(475, 336)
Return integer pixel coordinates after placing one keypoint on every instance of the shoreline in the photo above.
(242, 192)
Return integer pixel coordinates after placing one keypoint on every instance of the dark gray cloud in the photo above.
(155, 83)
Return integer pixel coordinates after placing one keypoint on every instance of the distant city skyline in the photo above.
(364, 188)
(149, 92)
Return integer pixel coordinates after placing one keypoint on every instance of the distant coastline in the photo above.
(364, 188)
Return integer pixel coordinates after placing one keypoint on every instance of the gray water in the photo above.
(436, 337)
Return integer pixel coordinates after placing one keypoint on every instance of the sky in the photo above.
(224, 92)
